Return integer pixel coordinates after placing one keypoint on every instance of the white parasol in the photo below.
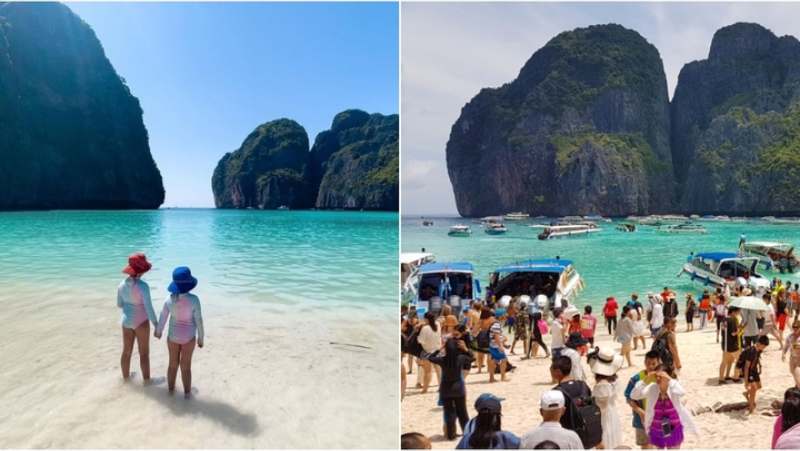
(750, 303)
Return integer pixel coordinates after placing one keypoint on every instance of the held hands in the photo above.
(157, 334)
(462, 346)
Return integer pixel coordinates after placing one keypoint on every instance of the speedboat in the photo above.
(773, 256)
(657, 220)
(626, 226)
(556, 279)
(453, 283)
(516, 216)
(490, 220)
(459, 230)
(410, 262)
(685, 228)
(283, 207)
(427, 223)
(596, 218)
(571, 219)
(495, 228)
(724, 268)
(567, 231)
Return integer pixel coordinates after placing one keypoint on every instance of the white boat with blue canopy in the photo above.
(724, 268)
(556, 279)
(410, 263)
(453, 283)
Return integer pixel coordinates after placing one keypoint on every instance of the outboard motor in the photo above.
(455, 304)
(505, 301)
(436, 305)
(541, 302)
(526, 299)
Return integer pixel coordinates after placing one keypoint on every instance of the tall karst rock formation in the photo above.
(583, 129)
(71, 132)
(736, 125)
(354, 165)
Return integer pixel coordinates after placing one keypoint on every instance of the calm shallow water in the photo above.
(342, 259)
(612, 263)
(278, 289)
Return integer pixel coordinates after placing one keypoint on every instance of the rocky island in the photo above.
(71, 132)
(354, 165)
(587, 127)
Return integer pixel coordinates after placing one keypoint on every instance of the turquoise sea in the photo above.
(612, 263)
(296, 305)
(285, 258)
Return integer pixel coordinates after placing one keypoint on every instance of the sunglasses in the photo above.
(795, 327)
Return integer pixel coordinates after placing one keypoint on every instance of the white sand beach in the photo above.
(700, 355)
(267, 377)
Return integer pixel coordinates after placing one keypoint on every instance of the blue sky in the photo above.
(452, 50)
(207, 74)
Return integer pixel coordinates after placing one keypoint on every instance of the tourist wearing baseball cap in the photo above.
(552, 408)
(487, 431)
(478, 402)
(133, 297)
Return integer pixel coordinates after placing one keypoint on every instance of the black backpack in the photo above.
(413, 346)
(747, 354)
(583, 417)
(660, 346)
(484, 338)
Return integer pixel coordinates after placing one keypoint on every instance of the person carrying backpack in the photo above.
(582, 414)
(665, 416)
(666, 345)
(750, 364)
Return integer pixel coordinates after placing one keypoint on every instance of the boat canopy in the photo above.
(541, 265)
(446, 267)
(717, 256)
(411, 257)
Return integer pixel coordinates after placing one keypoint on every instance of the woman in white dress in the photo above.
(605, 363)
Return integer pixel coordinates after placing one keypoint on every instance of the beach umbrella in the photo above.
(749, 303)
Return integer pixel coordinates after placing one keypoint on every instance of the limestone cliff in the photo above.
(71, 132)
(267, 171)
(356, 163)
(583, 129)
(735, 129)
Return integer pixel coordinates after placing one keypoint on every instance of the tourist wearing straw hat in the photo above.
(182, 309)
(133, 297)
(604, 363)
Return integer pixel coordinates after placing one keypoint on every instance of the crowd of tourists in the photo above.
(575, 415)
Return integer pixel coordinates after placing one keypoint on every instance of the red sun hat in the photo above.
(137, 264)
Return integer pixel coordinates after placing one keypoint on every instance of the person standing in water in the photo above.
(133, 297)
(182, 309)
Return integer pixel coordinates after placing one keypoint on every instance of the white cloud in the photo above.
(449, 51)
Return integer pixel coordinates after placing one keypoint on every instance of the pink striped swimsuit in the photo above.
(185, 318)
(133, 297)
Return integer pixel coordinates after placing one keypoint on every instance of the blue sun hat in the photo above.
(182, 281)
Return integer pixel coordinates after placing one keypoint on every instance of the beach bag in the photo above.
(584, 418)
(543, 329)
(484, 338)
(760, 322)
(413, 345)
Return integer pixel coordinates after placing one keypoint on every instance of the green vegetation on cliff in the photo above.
(353, 165)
